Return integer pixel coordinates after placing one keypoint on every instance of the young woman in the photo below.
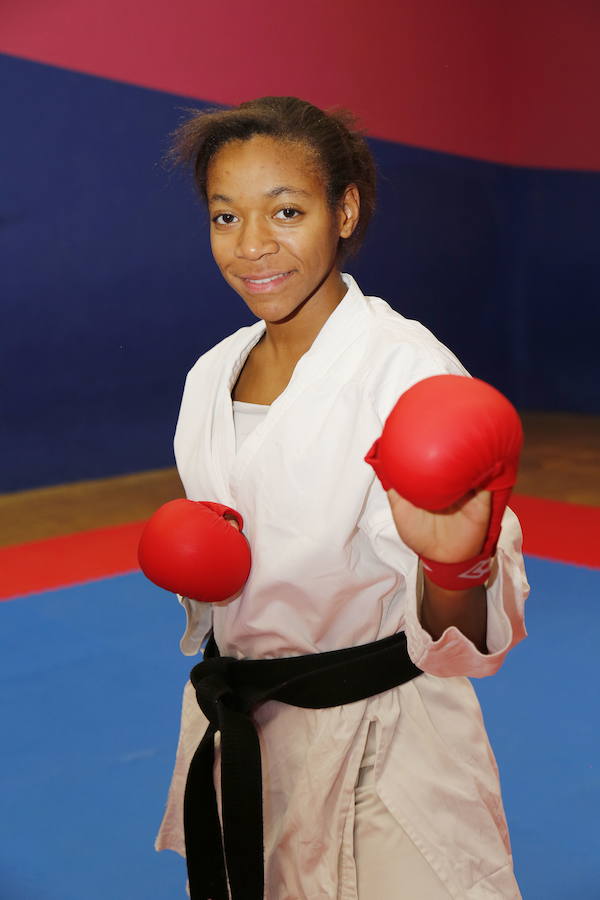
(395, 794)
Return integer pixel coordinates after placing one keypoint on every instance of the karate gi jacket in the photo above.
(330, 571)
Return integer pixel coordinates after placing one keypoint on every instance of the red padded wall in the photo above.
(513, 82)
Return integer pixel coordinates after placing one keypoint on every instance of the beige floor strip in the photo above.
(561, 461)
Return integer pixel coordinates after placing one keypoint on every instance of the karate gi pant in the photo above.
(388, 864)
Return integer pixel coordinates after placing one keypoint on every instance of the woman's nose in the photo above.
(255, 240)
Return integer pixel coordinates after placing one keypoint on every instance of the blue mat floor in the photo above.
(90, 684)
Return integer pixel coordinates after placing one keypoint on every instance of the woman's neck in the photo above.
(288, 340)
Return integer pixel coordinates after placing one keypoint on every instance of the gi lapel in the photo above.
(345, 324)
(222, 435)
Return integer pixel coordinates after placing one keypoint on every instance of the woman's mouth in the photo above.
(265, 283)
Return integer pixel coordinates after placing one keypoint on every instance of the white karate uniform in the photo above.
(330, 571)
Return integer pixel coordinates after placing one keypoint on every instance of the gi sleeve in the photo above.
(506, 590)
(198, 623)
(453, 653)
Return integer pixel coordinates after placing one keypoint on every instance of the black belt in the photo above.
(227, 691)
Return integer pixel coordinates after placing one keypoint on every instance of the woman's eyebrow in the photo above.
(274, 192)
(286, 189)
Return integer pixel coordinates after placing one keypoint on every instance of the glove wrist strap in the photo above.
(221, 510)
(459, 576)
(469, 573)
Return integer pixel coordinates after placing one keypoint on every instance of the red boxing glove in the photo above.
(449, 436)
(189, 548)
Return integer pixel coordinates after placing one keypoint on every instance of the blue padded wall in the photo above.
(109, 293)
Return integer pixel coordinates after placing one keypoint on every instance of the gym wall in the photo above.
(483, 120)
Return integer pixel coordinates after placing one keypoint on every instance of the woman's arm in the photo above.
(467, 610)
(449, 536)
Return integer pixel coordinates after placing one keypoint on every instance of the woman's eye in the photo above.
(288, 213)
(224, 219)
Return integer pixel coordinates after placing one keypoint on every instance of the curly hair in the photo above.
(340, 150)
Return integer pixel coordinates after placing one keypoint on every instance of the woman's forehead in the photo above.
(263, 165)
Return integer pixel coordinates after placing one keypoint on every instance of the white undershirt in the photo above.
(246, 416)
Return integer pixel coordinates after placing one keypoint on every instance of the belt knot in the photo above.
(212, 681)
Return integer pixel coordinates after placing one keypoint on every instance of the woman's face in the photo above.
(273, 234)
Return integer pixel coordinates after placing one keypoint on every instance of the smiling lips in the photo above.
(266, 282)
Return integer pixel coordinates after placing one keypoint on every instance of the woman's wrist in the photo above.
(465, 609)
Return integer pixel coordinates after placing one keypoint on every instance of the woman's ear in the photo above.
(349, 211)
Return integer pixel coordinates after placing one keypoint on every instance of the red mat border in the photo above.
(70, 559)
(566, 532)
